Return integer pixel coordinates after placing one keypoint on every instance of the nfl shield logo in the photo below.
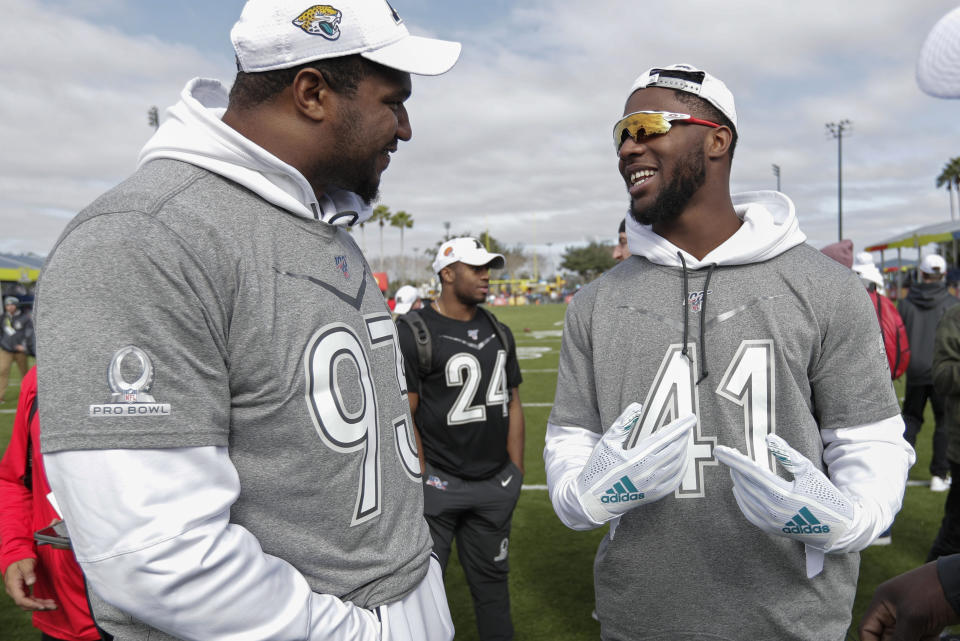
(695, 299)
(341, 262)
(474, 334)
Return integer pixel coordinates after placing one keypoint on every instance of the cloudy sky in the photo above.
(516, 138)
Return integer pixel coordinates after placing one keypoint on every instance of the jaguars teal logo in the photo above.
(320, 20)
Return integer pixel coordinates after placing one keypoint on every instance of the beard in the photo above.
(347, 169)
(674, 196)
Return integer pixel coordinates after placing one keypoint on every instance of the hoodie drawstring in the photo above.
(703, 316)
(686, 299)
(703, 323)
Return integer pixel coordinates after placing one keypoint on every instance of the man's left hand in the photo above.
(810, 509)
(18, 579)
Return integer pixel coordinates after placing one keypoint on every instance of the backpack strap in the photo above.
(28, 467)
(418, 327)
(498, 328)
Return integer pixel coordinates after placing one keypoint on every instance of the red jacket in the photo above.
(22, 513)
(894, 334)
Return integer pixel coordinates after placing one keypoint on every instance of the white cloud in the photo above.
(516, 138)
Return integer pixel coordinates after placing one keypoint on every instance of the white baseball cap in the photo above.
(933, 264)
(938, 67)
(279, 34)
(692, 80)
(864, 266)
(405, 297)
(468, 251)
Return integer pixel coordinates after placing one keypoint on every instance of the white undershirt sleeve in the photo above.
(868, 463)
(151, 531)
(565, 454)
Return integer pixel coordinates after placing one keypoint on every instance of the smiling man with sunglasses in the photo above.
(723, 398)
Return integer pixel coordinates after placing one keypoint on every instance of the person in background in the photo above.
(895, 339)
(39, 578)
(465, 400)
(621, 251)
(407, 298)
(841, 251)
(921, 312)
(16, 339)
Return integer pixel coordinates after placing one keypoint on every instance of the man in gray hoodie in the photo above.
(921, 310)
(744, 522)
(227, 430)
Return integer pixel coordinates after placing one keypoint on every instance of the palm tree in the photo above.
(363, 236)
(381, 214)
(403, 220)
(950, 176)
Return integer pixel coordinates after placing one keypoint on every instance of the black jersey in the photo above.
(462, 414)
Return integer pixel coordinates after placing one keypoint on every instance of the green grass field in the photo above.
(551, 582)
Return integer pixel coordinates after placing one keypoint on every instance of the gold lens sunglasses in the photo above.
(643, 124)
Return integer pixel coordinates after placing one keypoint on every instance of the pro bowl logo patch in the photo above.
(695, 300)
(341, 262)
(320, 20)
(130, 398)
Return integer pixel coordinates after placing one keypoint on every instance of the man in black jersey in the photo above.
(466, 408)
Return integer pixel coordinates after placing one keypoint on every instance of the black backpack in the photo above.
(418, 327)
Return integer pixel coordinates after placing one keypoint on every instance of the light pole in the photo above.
(776, 172)
(836, 130)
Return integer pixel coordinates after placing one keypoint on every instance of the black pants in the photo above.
(948, 538)
(914, 401)
(478, 515)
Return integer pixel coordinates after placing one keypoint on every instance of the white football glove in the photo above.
(615, 479)
(810, 509)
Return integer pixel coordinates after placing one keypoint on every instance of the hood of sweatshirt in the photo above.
(928, 295)
(769, 228)
(193, 131)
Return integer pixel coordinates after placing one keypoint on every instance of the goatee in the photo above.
(673, 197)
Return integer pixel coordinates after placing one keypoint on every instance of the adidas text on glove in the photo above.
(615, 480)
(809, 509)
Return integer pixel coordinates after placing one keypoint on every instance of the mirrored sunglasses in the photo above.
(641, 124)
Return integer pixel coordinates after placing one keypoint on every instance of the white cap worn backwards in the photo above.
(692, 80)
(933, 264)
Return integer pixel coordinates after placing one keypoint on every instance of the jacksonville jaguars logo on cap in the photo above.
(320, 20)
